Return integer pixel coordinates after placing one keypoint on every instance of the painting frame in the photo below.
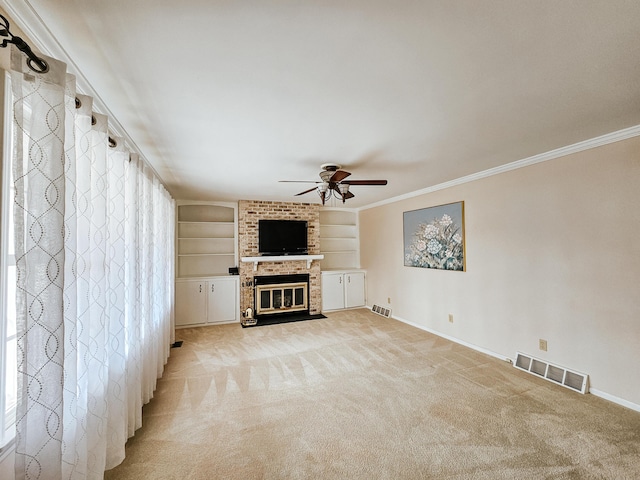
(434, 237)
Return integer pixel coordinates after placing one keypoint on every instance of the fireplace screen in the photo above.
(281, 297)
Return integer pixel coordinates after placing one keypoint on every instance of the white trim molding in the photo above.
(612, 398)
(525, 162)
(36, 31)
(454, 340)
(595, 392)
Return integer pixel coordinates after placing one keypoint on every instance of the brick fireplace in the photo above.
(249, 212)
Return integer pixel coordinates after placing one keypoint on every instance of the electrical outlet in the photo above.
(389, 300)
(543, 345)
(451, 318)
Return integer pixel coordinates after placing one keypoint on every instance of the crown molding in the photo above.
(42, 40)
(36, 31)
(525, 162)
(28, 20)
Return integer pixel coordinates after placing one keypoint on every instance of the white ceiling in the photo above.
(225, 98)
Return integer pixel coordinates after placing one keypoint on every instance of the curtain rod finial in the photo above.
(40, 65)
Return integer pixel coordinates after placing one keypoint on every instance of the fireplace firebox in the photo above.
(281, 295)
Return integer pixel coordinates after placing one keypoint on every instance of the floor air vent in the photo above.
(567, 378)
(385, 312)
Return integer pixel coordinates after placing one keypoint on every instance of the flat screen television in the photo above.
(282, 237)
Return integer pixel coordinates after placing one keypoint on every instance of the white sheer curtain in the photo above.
(94, 252)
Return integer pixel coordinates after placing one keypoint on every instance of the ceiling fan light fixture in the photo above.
(344, 189)
(322, 191)
(326, 175)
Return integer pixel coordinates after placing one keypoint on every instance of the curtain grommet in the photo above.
(42, 66)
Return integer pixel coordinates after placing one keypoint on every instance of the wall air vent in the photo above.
(385, 312)
(559, 375)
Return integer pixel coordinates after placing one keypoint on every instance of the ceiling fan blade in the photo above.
(365, 182)
(297, 181)
(306, 191)
(339, 175)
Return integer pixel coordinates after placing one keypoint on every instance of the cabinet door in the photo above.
(332, 291)
(222, 300)
(354, 289)
(191, 302)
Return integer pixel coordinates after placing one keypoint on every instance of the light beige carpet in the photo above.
(358, 396)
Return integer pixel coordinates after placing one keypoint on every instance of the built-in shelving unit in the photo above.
(206, 239)
(339, 242)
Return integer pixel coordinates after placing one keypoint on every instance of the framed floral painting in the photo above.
(434, 237)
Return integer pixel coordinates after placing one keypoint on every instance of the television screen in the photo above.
(282, 237)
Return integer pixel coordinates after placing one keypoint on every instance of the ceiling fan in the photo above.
(333, 181)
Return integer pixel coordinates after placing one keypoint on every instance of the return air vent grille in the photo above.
(385, 312)
(567, 378)
(538, 367)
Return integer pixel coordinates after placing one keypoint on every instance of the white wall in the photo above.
(7, 471)
(553, 252)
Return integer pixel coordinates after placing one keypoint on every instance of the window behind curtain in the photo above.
(8, 365)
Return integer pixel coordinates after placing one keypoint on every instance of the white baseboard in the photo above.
(455, 340)
(593, 391)
(614, 399)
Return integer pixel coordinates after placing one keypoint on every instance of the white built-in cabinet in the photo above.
(206, 301)
(206, 239)
(339, 241)
(343, 289)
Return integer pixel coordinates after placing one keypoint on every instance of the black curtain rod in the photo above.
(34, 62)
